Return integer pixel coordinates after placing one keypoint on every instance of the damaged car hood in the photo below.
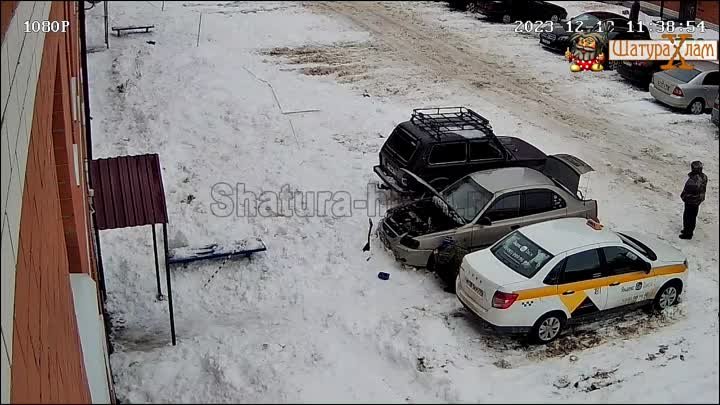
(438, 198)
(421, 217)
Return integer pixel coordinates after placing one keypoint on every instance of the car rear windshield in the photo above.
(682, 74)
(521, 254)
(637, 245)
(402, 144)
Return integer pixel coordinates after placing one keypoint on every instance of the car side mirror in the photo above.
(485, 221)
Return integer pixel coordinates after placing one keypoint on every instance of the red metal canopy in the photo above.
(128, 191)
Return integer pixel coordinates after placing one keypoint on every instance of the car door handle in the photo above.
(615, 283)
(515, 227)
(568, 292)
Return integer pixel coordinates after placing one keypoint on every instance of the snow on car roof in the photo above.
(495, 180)
(704, 66)
(561, 235)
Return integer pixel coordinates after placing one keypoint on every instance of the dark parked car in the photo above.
(639, 72)
(520, 10)
(440, 145)
(614, 25)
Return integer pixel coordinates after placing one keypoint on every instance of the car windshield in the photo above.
(682, 74)
(637, 245)
(521, 254)
(466, 197)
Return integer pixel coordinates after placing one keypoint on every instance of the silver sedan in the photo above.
(693, 90)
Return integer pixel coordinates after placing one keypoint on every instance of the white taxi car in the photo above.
(541, 276)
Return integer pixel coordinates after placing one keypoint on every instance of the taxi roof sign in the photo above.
(595, 225)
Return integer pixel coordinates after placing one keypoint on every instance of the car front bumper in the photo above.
(559, 45)
(634, 75)
(668, 99)
(403, 254)
(390, 181)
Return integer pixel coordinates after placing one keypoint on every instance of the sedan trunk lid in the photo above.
(484, 274)
(664, 251)
(566, 170)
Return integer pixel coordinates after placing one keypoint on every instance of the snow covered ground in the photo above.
(308, 320)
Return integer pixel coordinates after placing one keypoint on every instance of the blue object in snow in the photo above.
(383, 275)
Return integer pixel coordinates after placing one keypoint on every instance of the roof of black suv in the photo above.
(447, 124)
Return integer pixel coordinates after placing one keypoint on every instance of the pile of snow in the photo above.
(308, 320)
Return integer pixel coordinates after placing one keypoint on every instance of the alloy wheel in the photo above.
(696, 107)
(668, 297)
(549, 328)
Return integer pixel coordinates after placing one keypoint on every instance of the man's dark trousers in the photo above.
(689, 219)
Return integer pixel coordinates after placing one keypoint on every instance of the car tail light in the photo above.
(678, 92)
(503, 300)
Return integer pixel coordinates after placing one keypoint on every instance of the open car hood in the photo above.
(450, 211)
(566, 170)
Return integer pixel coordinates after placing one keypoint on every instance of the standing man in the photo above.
(692, 195)
(635, 11)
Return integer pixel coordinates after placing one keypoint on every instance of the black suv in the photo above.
(440, 145)
(508, 11)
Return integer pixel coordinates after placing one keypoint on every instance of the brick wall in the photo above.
(45, 209)
(707, 10)
(7, 10)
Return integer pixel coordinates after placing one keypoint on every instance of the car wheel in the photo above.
(507, 19)
(446, 262)
(547, 328)
(696, 107)
(554, 18)
(448, 273)
(667, 296)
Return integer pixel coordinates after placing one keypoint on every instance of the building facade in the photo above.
(53, 337)
(685, 10)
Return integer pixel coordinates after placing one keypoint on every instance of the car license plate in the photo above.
(475, 288)
(392, 170)
(662, 85)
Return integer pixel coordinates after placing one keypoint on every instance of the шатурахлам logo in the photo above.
(672, 48)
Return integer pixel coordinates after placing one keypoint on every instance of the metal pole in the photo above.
(169, 287)
(157, 263)
(662, 7)
(107, 41)
(198, 36)
(163, 6)
(100, 268)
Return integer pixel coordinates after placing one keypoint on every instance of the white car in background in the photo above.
(541, 276)
(693, 90)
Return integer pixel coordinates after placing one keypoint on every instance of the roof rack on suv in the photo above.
(442, 120)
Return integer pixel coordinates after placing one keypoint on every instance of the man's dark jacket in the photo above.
(694, 191)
